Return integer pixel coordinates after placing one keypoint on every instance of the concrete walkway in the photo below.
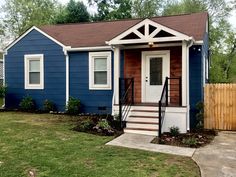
(143, 142)
(219, 158)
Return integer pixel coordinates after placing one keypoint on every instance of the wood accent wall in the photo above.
(132, 68)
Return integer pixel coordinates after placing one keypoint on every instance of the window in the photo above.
(155, 71)
(34, 74)
(100, 70)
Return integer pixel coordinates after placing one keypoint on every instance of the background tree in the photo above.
(146, 8)
(19, 15)
(74, 12)
(222, 36)
(112, 9)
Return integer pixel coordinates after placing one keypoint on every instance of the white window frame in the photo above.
(92, 57)
(27, 59)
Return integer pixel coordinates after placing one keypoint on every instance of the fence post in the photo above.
(180, 91)
(132, 80)
(120, 103)
(167, 88)
(159, 130)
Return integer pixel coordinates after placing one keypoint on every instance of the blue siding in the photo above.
(54, 71)
(91, 100)
(196, 78)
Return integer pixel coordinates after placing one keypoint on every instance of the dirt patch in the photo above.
(193, 139)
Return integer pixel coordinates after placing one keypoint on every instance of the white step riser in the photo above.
(137, 125)
(145, 108)
(143, 132)
(137, 113)
(150, 120)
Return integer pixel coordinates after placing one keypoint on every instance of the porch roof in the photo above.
(96, 33)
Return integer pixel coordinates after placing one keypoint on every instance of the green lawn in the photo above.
(46, 144)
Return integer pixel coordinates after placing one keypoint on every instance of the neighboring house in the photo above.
(86, 60)
(1, 68)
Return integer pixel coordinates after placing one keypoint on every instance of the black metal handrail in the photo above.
(126, 98)
(165, 99)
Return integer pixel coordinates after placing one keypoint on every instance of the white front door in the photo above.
(155, 68)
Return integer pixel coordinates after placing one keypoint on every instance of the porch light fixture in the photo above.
(151, 44)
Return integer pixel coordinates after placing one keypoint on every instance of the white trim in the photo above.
(40, 31)
(184, 73)
(67, 79)
(166, 56)
(92, 56)
(146, 37)
(116, 75)
(96, 48)
(27, 58)
(4, 80)
(154, 46)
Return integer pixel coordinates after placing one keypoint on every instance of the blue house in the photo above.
(141, 69)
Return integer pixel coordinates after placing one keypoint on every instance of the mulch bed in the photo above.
(194, 139)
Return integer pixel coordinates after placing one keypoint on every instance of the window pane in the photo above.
(100, 77)
(34, 78)
(100, 64)
(155, 71)
(34, 65)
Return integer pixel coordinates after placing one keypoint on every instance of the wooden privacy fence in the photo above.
(220, 106)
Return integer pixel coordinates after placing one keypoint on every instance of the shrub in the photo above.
(174, 131)
(3, 90)
(73, 106)
(104, 127)
(200, 115)
(27, 104)
(48, 106)
(191, 141)
(86, 125)
(103, 124)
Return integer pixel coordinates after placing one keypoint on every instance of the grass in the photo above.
(1, 102)
(46, 145)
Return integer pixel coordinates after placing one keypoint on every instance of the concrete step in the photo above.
(141, 119)
(148, 108)
(142, 125)
(142, 131)
(144, 113)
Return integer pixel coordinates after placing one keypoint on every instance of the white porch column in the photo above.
(184, 73)
(116, 75)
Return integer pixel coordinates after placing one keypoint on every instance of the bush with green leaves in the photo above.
(3, 90)
(103, 124)
(27, 104)
(86, 125)
(174, 131)
(200, 115)
(48, 105)
(73, 106)
(191, 141)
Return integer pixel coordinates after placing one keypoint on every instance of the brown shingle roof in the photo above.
(96, 33)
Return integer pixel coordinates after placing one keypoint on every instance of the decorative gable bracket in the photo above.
(148, 31)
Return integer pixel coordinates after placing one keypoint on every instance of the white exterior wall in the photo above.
(175, 116)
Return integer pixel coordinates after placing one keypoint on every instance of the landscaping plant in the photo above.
(174, 131)
(73, 106)
(48, 106)
(27, 104)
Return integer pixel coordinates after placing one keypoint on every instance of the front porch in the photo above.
(151, 78)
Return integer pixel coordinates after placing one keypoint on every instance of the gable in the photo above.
(34, 31)
(148, 31)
